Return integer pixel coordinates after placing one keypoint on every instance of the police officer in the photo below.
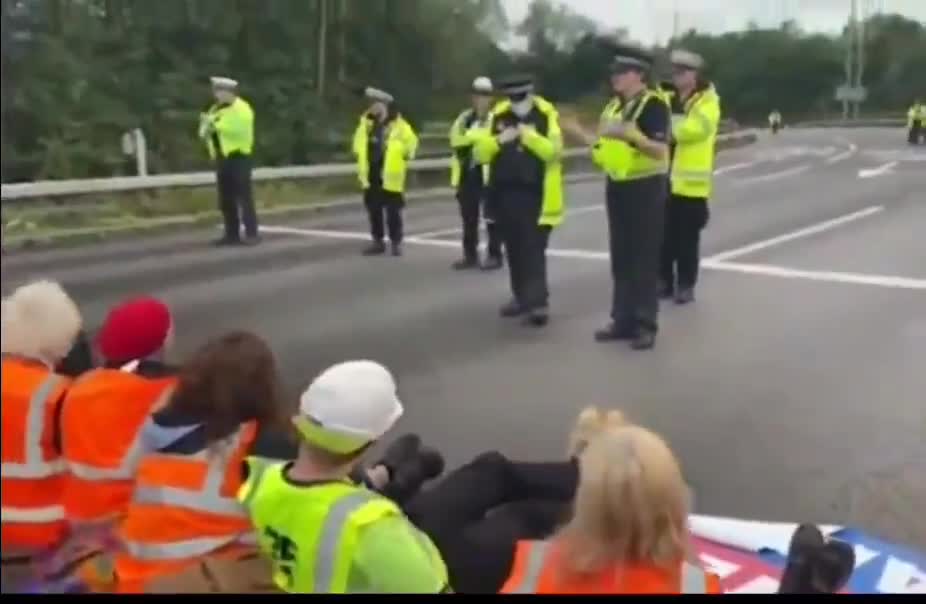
(523, 148)
(774, 121)
(695, 123)
(227, 128)
(916, 122)
(468, 177)
(383, 145)
(634, 153)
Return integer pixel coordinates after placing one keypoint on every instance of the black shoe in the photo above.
(465, 264)
(645, 340)
(685, 296)
(493, 263)
(396, 249)
(666, 291)
(401, 451)
(408, 479)
(377, 248)
(613, 333)
(226, 242)
(511, 310)
(252, 240)
(538, 317)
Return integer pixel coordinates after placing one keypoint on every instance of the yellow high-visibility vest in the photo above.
(620, 160)
(401, 145)
(233, 125)
(695, 136)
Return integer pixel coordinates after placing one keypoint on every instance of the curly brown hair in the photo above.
(230, 380)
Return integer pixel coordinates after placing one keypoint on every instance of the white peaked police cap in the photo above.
(348, 406)
(375, 94)
(223, 83)
(686, 59)
(483, 85)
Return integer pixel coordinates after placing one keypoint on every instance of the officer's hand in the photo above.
(618, 130)
(508, 135)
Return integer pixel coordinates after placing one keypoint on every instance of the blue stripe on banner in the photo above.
(881, 567)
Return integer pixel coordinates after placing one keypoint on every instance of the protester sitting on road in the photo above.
(323, 532)
(38, 327)
(183, 508)
(629, 530)
(119, 396)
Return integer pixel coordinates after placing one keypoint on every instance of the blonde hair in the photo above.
(631, 505)
(39, 321)
(591, 422)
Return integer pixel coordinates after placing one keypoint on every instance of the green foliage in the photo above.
(79, 73)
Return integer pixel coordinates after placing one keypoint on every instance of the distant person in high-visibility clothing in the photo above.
(695, 124)
(916, 122)
(39, 325)
(323, 532)
(227, 128)
(469, 178)
(384, 142)
(121, 396)
(774, 121)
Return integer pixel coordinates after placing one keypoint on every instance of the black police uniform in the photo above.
(472, 196)
(636, 214)
(516, 194)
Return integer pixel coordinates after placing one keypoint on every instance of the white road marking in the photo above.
(852, 150)
(879, 171)
(453, 231)
(773, 176)
(709, 264)
(734, 167)
(830, 276)
(805, 232)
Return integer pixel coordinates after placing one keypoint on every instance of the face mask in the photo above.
(522, 107)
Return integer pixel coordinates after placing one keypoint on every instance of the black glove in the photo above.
(816, 565)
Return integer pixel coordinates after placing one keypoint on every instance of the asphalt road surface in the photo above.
(795, 389)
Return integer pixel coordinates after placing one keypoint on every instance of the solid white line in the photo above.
(805, 232)
(773, 176)
(853, 148)
(454, 230)
(734, 167)
(879, 171)
(827, 276)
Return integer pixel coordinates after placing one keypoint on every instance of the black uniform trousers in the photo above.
(384, 209)
(236, 197)
(517, 211)
(636, 211)
(915, 133)
(686, 217)
(473, 201)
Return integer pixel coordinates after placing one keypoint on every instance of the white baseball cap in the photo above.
(483, 85)
(348, 406)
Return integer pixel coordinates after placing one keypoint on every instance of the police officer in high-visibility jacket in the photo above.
(468, 177)
(695, 123)
(322, 532)
(916, 122)
(774, 121)
(383, 145)
(228, 131)
(523, 148)
(634, 154)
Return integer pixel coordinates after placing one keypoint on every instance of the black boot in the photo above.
(511, 309)
(685, 296)
(645, 340)
(396, 249)
(401, 451)
(614, 333)
(408, 479)
(465, 264)
(537, 317)
(377, 248)
(493, 263)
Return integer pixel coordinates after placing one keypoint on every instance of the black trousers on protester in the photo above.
(384, 209)
(685, 218)
(636, 211)
(473, 203)
(517, 213)
(236, 196)
(476, 514)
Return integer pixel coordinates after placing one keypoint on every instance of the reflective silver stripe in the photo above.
(326, 555)
(50, 513)
(536, 560)
(189, 500)
(189, 548)
(702, 175)
(34, 467)
(694, 579)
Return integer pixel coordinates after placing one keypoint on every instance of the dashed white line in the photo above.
(852, 150)
(734, 167)
(878, 171)
(773, 176)
(805, 232)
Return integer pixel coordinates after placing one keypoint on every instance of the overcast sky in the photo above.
(652, 20)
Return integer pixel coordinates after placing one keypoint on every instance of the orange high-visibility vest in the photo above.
(184, 507)
(537, 569)
(33, 471)
(103, 422)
